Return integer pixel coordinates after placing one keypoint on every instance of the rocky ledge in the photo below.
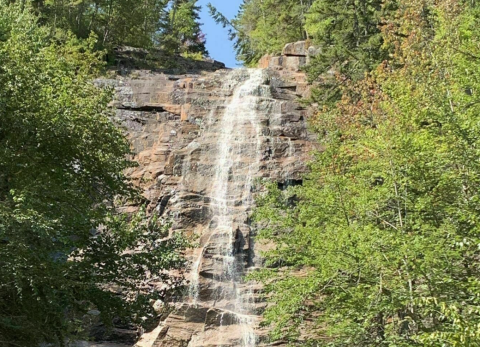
(294, 57)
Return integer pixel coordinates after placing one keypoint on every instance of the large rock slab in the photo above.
(296, 49)
(295, 57)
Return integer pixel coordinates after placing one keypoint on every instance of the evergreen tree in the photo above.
(348, 33)
(181, 32)
(265, 26)
(170, 24)
(115, 22)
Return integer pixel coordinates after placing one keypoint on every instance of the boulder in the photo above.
(296, 49)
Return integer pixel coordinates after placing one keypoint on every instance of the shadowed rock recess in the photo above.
(202, 141)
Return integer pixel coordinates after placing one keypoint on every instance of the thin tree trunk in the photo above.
(94, 15)
(304, 21)
(107, 25)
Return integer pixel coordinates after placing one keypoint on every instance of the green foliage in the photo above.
(265, 26)
(169, 24)
(379, 247)
(183, 34)
(269, 25)
(349, 35)
(115, 22)
(63, 249)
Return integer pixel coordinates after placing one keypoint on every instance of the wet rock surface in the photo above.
(176, 125)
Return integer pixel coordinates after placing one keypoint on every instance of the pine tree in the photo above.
(348, 33)
(181, 32)
(265, 26)
(119, 22)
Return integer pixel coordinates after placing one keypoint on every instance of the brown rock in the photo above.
(185, 111)
(264, 62)
(174, 124)
(296, 49)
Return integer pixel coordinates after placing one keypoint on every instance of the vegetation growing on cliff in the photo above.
(349, 34)
(168, 24)
(181, 29)
(263, 27)
(347, 31)
(63, 248)
(382, 246)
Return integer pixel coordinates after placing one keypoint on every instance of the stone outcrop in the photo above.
(131, 58)
(294, 57)
(175, 123)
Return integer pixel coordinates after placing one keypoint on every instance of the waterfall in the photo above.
(237, 141)
(202, 140)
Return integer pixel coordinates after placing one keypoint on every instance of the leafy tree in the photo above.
(63, 249)
(379, 247)
(348, 33)
(115, 22)
(170, 24)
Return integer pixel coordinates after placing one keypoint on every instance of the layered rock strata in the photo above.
(202, 141)
(294, 57)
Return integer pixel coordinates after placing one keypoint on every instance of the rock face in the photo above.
(294, 57)
(202, 142)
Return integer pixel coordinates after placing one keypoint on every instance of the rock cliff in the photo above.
(202, 141)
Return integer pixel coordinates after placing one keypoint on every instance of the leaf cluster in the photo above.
(172, 25)
(264, 26)
(181, 31)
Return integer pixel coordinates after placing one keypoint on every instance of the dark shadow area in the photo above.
(289, 183)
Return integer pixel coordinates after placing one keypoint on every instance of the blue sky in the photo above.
(218, 45)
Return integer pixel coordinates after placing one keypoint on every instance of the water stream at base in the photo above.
(238, 145)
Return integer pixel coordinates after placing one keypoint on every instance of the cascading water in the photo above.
(201, 141)
(238, 142)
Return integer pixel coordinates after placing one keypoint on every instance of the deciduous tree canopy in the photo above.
(382, 247)
(62, 245)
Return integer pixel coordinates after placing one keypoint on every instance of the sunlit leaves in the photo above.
(63, 247)
(381, 246)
